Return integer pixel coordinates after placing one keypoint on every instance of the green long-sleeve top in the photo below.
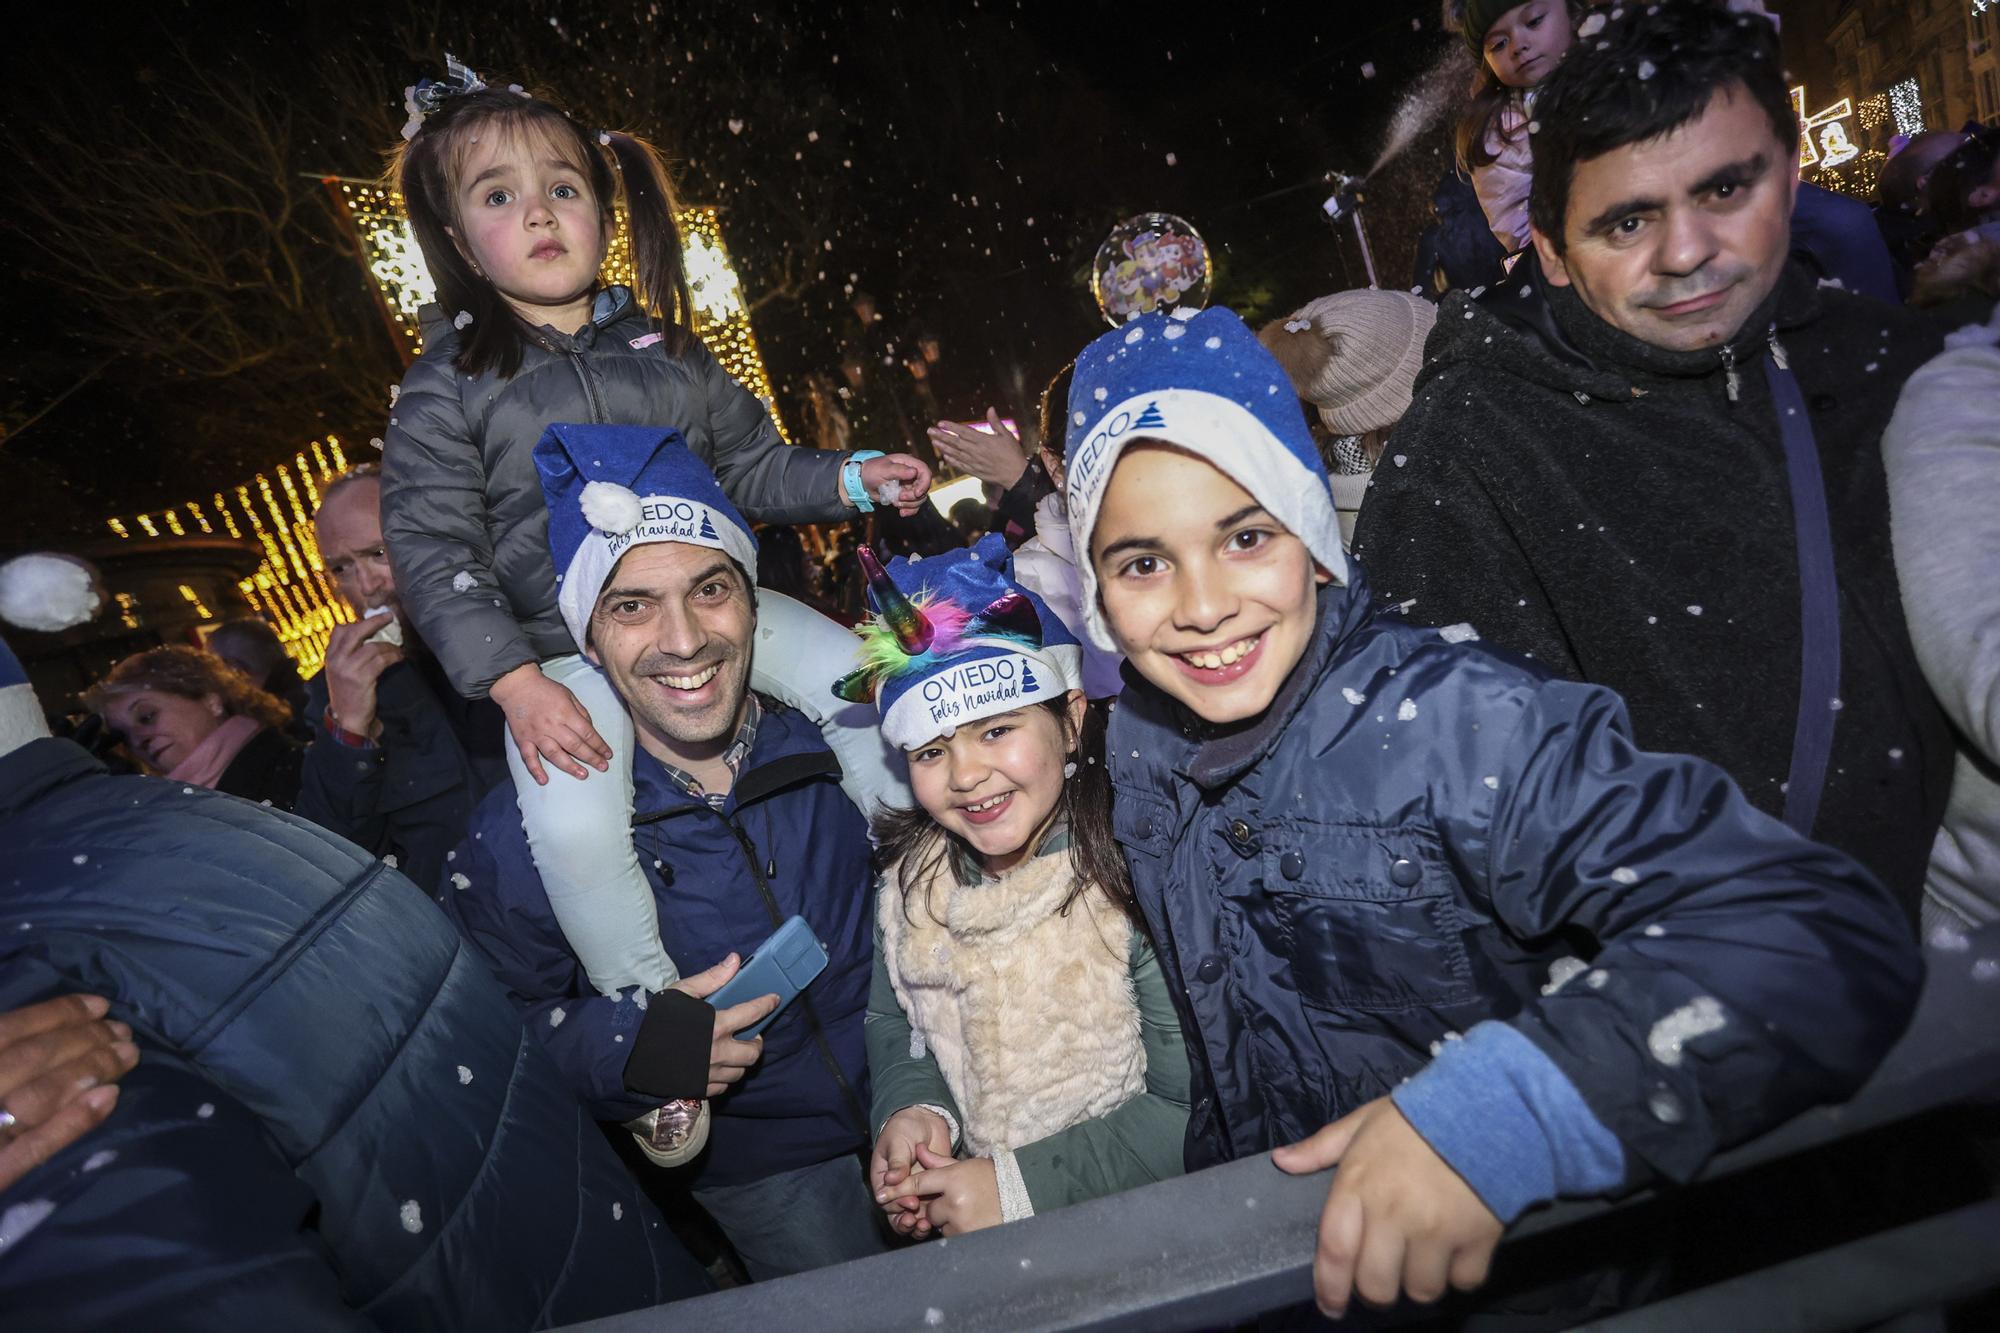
(1135, 1143)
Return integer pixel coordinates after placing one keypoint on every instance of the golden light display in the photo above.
(290, 588)
(721, 316)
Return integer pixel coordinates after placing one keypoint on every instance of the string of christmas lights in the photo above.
(1906, 104)
(290, 588)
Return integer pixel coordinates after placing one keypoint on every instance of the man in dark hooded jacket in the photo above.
(1602, 461)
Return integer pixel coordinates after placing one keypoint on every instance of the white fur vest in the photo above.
(1029, 1014)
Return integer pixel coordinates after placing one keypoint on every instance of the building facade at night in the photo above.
(1947, 46)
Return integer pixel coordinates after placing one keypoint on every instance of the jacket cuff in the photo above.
(1502, 1115)
(1014, 1201)
(669, 1060)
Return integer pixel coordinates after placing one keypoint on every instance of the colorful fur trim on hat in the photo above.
(953, 640)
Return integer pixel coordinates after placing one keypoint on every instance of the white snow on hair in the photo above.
(47, 592)
(609, 507)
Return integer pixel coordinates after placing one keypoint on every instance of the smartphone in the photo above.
(783, 966)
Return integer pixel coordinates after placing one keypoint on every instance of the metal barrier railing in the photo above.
(1220, 1246)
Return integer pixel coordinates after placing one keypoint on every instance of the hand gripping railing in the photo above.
(1222, 1245)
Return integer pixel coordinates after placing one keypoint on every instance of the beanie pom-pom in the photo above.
(50, 593)
(609, 507)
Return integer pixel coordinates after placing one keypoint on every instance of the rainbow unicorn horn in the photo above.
(912, 630)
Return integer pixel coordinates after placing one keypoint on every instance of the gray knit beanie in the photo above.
(1354, 355)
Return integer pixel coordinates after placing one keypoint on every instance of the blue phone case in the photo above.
(782, 966)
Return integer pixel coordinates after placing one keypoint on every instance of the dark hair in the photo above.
(1054, 411)
(1643, 76)
(1948, 192)
(782, 565)
(911, 837)
(621, 169)
(249, 644)
(1481, 117)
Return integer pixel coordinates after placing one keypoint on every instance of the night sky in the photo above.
(958, 163)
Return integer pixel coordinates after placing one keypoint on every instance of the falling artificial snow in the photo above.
(1353, 696)
(463, 581)
(1697, 1017)
(412, 1216)
(1406, 711)
(1562, 971)
(463, 318)
(49, 593)
(20, 1219)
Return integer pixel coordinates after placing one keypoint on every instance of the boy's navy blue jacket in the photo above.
(785, 843)
(381, 1108)
(1416, 829)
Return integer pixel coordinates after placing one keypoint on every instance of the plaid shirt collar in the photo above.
(736, 756)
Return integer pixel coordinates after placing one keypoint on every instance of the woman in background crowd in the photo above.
(191, 717)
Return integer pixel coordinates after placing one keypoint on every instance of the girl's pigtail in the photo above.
(650, 206)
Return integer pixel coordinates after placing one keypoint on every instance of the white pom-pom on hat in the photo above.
(609, 507)
(47, 592)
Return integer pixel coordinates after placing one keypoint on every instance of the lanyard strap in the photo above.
(1819, 602)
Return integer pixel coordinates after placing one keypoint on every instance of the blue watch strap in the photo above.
(850, 479)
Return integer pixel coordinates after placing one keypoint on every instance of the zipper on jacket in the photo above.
(589, 390)
(1732, 382)
(812, 1015)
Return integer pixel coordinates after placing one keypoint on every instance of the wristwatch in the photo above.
(850, 479)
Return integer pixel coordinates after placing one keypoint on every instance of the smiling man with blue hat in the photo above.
(740, 824)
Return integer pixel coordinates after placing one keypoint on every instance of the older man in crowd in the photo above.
(398, 761)
(1651, 459)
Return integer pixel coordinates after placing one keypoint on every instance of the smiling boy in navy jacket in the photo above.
(1368, 851)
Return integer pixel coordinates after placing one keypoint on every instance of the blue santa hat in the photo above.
(611, 488)
(21, 718)
(956, 638)
(1204, 383)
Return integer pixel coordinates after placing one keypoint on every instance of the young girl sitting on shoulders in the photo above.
(514, 206)
(1517, 46)
(1018, 1018)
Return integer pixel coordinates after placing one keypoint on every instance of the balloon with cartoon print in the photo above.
(1152, 261)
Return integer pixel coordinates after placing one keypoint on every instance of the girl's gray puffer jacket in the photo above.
(462, 508)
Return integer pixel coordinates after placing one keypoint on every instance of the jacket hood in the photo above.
(1532, 329)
